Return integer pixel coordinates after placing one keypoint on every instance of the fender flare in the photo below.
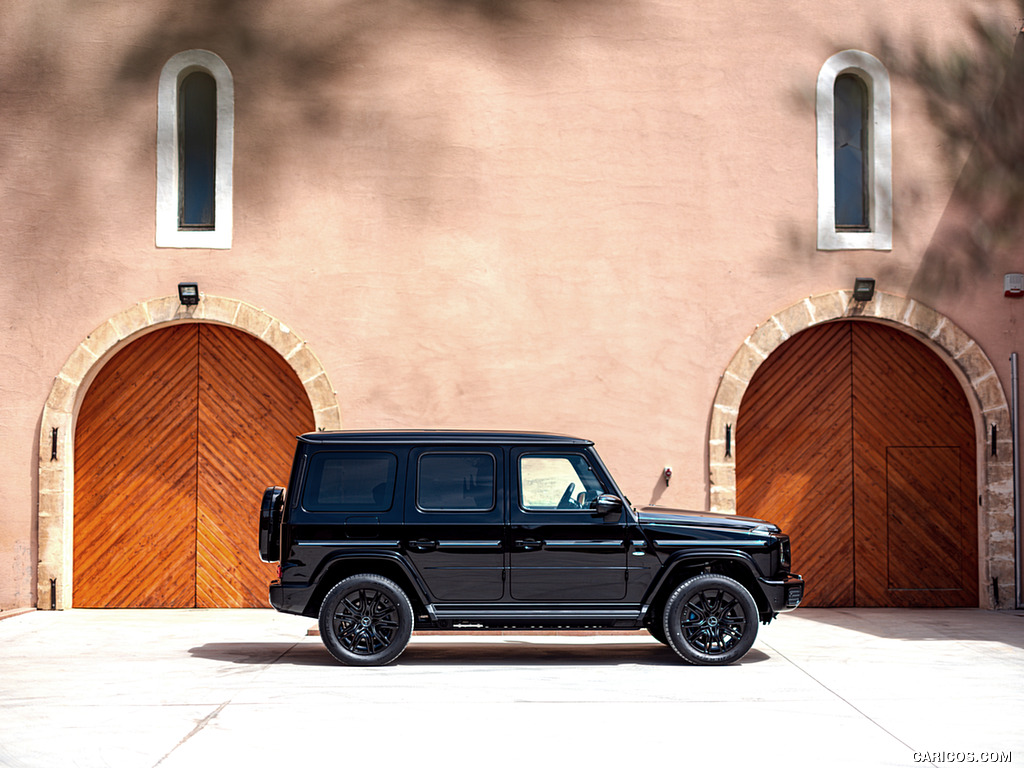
(690, 557)
(328, 563)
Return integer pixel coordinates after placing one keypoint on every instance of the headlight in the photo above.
(784, 553)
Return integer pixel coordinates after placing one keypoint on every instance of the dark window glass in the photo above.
(461, 482)
(350, 482)
(197, 151)
(851, 153)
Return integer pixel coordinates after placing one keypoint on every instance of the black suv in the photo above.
(386, 532)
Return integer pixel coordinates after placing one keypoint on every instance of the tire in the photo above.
(366, 620)
(710, 619)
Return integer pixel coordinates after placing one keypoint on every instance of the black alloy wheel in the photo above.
(366, 620)
(710, 619)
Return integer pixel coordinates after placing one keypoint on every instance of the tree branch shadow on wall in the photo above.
(973, 94)
(291, 64)
(974, 97)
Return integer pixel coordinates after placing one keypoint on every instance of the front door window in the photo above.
(550, 483)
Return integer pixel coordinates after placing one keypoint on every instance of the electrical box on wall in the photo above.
(1013, 285)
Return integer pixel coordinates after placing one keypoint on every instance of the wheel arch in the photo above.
(734, 564)
(389, 566)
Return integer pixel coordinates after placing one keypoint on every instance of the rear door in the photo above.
(561, 551)
(455, 526)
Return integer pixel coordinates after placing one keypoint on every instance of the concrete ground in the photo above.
(857, 687)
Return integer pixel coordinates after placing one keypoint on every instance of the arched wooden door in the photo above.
(860, 443)
(174, 443)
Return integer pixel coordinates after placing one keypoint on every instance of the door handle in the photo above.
(529, 544)
(423, 545)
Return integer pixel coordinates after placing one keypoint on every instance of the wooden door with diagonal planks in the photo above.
(859, 442)
(915, 471)
(794, 456)
(175, 441)
(135, 477)
(251, 407)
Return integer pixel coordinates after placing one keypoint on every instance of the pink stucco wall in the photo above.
(561, 216)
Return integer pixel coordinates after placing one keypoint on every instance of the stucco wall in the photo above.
(564, 216)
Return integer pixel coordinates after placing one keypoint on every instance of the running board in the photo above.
(543, 615)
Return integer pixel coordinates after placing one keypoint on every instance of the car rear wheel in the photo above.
(366, 620)
(710, 619)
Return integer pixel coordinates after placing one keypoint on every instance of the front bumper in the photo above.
(783, 594)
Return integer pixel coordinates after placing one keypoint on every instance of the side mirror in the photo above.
(606, 505)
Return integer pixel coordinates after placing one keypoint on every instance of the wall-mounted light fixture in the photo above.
(668, 475)
(188, 294)
(863, 289)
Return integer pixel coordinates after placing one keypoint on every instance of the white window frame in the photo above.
(876, 80)
(177, 68)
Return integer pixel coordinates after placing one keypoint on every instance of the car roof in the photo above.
(440, 437)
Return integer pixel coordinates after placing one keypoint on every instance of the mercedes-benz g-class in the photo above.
(381, 533)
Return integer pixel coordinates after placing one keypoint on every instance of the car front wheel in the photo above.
(366, 620)
(710, 619)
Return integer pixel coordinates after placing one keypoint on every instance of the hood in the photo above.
(670, 516)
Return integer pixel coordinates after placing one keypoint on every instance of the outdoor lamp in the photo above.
(863, 289)
(188, 294)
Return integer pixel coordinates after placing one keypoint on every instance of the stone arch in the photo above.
(55, 508)
(967, 360)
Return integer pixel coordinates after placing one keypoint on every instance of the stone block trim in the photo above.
(55, 506)
(972, 367)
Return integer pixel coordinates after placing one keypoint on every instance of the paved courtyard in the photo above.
(821, 687)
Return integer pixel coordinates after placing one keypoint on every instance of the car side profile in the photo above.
(383, 533)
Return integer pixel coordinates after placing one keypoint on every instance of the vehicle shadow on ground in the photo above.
(462, 654)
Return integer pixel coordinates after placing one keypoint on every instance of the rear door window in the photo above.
(456, 482)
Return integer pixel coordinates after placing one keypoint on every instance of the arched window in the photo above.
(195, 136)
(851, 153)
(197, 151)
(854, 154)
